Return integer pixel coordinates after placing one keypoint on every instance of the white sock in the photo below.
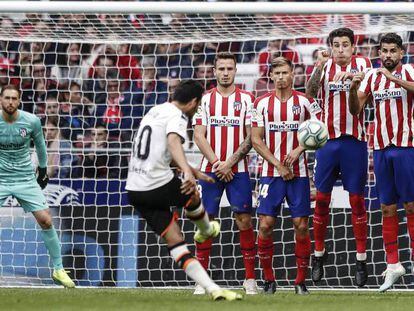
(361, 256)
(319, 253)
(203, 224)
(194, 269)
(393, 266)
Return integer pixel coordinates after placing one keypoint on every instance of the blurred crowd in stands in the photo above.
(93, 96)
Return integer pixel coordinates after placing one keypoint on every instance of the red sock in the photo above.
(410, 227)
(302, 253)
(359, 221)
(321, 219)
(248, 250)
(265, 252)
(203, 252)
(390, 237)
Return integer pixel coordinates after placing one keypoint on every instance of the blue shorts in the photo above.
(28, 194)
(394, 173)
(347, 156)
(274, 190)
(238, 191)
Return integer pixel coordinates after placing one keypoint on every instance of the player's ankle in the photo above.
(319, 253)
(361, 256)
(212, 288)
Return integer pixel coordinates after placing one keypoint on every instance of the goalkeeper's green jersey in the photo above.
(15, 139)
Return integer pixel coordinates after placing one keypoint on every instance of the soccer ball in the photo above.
(312, 134)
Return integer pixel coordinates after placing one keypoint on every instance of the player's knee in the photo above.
(265, 229)
(323, 200)
(45, 223)
(357, 203)
(244, 221)
(388, 210)
(409, 208)
(194, 210)
(194, 202)
(302, 229)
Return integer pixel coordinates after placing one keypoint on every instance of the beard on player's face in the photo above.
(9, 109)
(227, 82)
(390, 64)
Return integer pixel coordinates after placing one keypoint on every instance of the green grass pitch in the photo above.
(180, 300)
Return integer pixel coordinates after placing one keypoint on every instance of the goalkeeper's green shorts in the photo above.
(27, 193)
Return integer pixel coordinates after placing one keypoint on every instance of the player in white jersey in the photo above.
(276, 117)
(222, 133)
(345, 154)
(153, 188)
(391, 89)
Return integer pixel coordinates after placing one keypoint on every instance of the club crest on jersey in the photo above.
(23, 132)
(397, 75)
(296, 109)
(354, 70)
(237, 105)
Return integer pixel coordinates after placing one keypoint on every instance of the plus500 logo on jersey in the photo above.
(339, 86)
(388, 94)
(283, 126)
(224, 121)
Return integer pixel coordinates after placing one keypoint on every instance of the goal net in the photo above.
(91, 78)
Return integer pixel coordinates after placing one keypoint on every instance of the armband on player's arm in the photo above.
(42, 178)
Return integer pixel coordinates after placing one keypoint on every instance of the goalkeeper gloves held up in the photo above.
(42, 178)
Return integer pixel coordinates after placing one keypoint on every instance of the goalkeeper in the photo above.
(17, 178)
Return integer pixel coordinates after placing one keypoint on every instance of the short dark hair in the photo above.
(187, 90)
(10, 87)
(52, 121)
(52, 96)
(281, 61)
(341, 32)
(392, 37)
(224, 55)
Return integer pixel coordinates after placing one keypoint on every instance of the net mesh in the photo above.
(91, 78)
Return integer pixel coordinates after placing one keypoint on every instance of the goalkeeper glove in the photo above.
(42, 178)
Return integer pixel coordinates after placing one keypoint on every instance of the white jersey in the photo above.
(393, 104)
(149, 166)
(226, 119)
(335, 95)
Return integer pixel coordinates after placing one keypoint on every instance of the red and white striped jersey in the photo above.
(335, 105)
(281, 121)
(226, 119)
(393, 107)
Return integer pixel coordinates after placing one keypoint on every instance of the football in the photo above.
(312, 134)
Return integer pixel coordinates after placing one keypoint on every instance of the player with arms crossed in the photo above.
(153, 189)
(276, 117)
(17, 178)
(345, 153)
(391, 89)
(222, 133)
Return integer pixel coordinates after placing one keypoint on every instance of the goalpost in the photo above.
(81, 65)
